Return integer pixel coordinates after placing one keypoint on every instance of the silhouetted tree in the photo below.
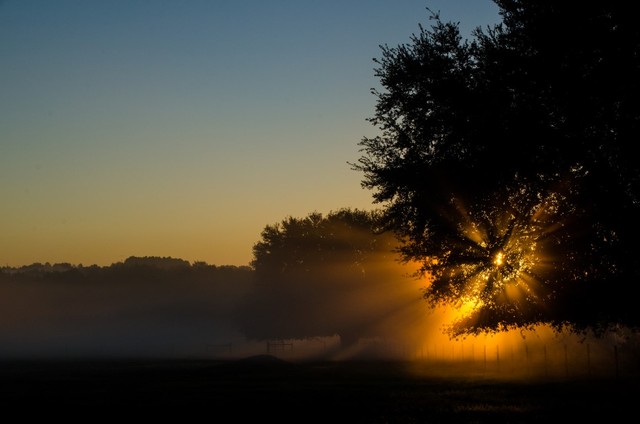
(506, 163)
(323, 275)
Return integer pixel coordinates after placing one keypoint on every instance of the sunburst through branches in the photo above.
(495, 266)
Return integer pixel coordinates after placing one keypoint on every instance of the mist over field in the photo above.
(126, 311)
(154, 308)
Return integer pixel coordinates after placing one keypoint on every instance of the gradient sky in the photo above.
(182, 128)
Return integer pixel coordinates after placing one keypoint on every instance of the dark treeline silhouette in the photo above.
(137, 307)
(132, 268)
(507, 164)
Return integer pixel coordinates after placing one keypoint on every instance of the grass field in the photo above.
(264, 388)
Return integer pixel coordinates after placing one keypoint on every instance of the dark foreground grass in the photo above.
(267, 389)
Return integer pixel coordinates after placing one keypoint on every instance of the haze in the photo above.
(151, 308)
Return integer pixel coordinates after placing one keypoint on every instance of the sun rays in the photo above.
(500, 259)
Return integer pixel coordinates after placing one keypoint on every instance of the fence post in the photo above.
(566, 361)
(485, 357)
(616, 359)
(588, 360)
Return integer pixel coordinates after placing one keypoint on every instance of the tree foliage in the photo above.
(323, 275)
(506, 163)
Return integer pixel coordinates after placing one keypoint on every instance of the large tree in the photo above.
(506, 162)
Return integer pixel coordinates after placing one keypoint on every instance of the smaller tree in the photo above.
(324, 275)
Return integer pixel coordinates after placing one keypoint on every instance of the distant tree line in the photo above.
(131, 270)
(141, 306)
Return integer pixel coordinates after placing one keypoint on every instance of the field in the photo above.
(265, 388)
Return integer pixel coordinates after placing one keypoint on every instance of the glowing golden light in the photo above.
(498, 260)
(501, 260)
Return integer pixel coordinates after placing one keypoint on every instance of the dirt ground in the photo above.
(264, 388)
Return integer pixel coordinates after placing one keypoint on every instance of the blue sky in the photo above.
(182, 128)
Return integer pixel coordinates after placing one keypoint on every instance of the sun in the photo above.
(512, 254)
(500, 258)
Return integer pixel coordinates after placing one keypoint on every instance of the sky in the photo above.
(183, 128)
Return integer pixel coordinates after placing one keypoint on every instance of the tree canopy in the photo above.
(325, 275)
(506, 163)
